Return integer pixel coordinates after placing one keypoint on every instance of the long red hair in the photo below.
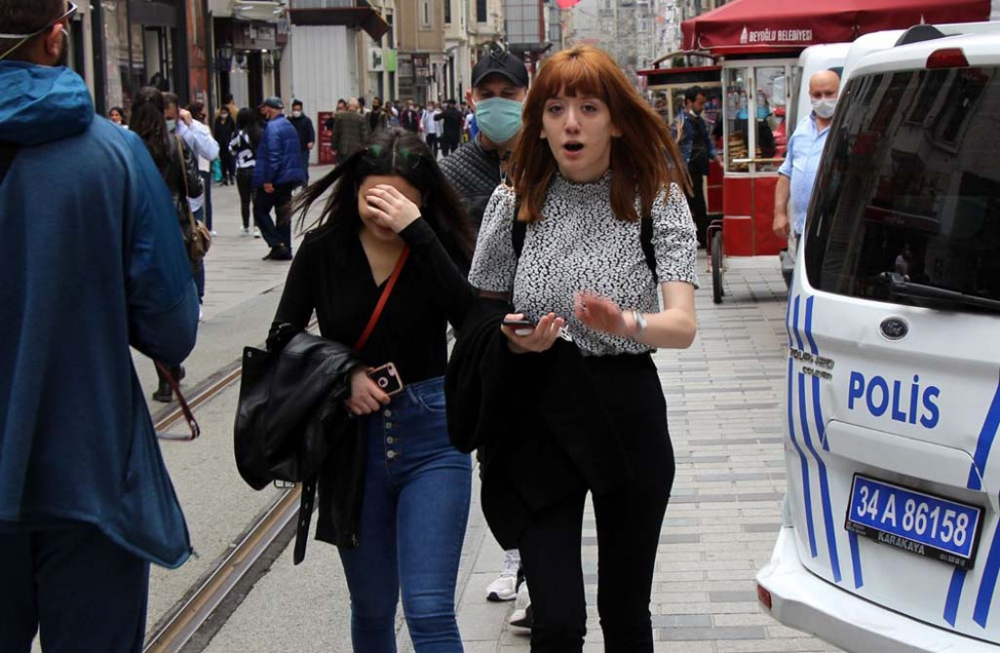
(644, 159)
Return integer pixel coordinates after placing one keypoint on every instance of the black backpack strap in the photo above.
(520, 229)
(7, 153)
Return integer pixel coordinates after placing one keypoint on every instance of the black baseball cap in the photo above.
(500, 62)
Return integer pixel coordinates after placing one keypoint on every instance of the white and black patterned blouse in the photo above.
(579, 245)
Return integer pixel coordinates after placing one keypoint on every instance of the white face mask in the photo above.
(296, 114)
(825, 108)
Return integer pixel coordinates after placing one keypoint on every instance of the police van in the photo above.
(890, 537)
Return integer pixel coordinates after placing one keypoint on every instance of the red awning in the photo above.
(748, 26)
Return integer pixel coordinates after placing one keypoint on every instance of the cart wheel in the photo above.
(717, 292)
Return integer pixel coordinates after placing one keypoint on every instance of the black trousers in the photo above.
(628, 526)
(278, 231)
(432, 143)
(244, 184)
(228, 162)
(76, 587)
(448, 145)
(696, 202)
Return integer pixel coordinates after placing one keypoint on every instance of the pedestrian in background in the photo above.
(698, 151)
(307, 133)
(409, 118)
(805, 151)
(590, 184)
(451, 123)
(403, 512)
(92, 263)
(179, 169)
(429, 127)
(117, 116)
(243, 148)
(225, 130)
(350, 131)
(278, 170)
(378, 117)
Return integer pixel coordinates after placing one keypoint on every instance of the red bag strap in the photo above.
(377, 313)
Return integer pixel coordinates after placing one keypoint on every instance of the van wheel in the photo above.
(717, 267)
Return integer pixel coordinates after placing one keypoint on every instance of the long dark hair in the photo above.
(148, 123)
(392, 152)
(246, 121)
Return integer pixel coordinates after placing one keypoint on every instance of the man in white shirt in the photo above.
(430, 127)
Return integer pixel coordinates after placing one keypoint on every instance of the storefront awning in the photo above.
(365, 18)
(753, 26)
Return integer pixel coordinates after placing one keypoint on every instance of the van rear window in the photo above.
(910, 185)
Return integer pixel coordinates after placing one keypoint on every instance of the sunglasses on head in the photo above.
(24, 38)
(410, 157)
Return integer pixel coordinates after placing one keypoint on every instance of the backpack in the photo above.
(520, 230)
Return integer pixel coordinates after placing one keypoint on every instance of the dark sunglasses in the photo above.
(24, 38)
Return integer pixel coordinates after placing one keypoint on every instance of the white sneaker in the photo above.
(201, 314)
(256, 232)
(214, 232)
(244, 231)
(504, 588)
(522, 617)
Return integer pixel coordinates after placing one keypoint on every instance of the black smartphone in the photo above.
(387, 379)
(522, 327)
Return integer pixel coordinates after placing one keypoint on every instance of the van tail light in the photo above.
(947, 58)
(764, 596)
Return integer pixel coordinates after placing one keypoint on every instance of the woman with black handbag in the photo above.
(179, 168)
(383, 268)
(605, 237)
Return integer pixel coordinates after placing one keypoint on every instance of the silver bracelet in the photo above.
(640, 323)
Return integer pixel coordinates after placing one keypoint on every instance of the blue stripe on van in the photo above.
(809, 326)
(795, 325)
(988, 583)
(788, 317)
(856, 560)
(824, 483)
(986, 437)
(807, 493)
(954, 595)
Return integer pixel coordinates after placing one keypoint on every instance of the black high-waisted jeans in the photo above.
(628, 526)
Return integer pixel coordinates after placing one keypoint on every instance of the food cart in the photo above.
(758, 43)
(667, 86)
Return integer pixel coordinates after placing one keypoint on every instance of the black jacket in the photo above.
(474, 173)
(537, 420)
(453, 122)
(304, 128)
(291, 425)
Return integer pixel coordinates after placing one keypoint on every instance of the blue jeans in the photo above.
(413, 518)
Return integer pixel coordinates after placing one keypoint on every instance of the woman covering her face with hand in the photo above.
(605, 235)
(390, 206)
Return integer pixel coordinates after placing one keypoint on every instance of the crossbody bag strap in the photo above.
(184, 180)
(185, 409)
(7, 153)
(377, 313)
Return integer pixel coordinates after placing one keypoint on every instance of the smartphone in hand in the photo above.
(522, 327)
(387, 379)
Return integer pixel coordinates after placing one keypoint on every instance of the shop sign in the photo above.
(422, 65)
(255, 36)
(775, 36)
(376, 60)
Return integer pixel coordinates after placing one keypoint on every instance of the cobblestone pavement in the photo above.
(724, 405)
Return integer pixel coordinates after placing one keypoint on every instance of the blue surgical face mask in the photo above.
(499, 118)
(171, 126)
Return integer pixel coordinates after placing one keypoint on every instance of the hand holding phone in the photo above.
(522, 326)
(524, 336)
(387, 379)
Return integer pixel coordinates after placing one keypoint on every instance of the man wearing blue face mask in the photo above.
(499, 86)
(805, 149)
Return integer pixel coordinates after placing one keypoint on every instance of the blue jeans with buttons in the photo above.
(413, 518)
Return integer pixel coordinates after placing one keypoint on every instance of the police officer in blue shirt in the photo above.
(698, 151)
(805, 149)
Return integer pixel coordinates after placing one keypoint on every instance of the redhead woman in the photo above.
(592, 235)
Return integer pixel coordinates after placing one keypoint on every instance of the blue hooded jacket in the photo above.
(279, 155)
(92, 261)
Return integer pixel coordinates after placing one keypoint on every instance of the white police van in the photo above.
(891, 525)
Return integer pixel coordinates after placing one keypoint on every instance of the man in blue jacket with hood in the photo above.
(277, 173)
(92, 261)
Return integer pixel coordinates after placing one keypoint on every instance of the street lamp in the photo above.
(276, 55)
